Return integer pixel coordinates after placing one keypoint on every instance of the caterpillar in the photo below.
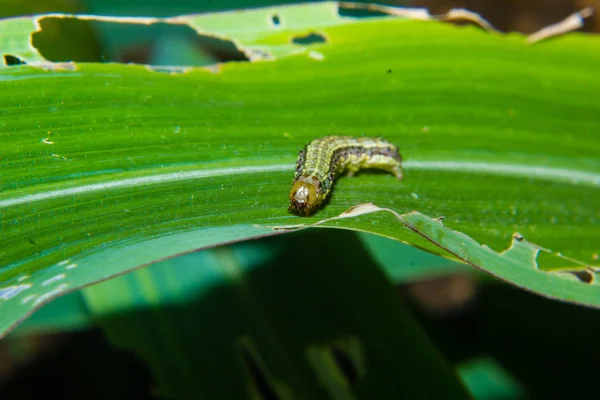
(325, 159)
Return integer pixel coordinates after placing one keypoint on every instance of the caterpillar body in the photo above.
(324, 159)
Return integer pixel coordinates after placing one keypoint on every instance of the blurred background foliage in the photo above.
(504, 342)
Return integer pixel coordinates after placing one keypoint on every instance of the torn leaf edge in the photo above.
(571, 23)
(585, 273)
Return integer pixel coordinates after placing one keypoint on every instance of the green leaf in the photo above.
(297, 327)
(109, 167)
(64, 314)
(486, 379)
(400, 262)
(403, 263)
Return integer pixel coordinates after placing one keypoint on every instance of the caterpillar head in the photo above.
(304, 196)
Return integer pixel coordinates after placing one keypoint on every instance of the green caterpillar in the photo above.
(324, 159)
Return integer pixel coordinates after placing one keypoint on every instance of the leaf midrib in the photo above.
(539, 172)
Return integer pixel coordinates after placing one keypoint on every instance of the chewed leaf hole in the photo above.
(157, 44)
(345, 364)
(12, 60)
(584, 276)
(260, 382)
(359, 11)
(309, 39)
(339, 365)
(275, 20)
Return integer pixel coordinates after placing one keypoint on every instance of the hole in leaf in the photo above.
(584, 276)
(160, 44)
(345, 364)
(12, 60)
(309, 39)
(67, 39)
(339, 365)
(275, 19)
(257, 375)
(348, 11)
